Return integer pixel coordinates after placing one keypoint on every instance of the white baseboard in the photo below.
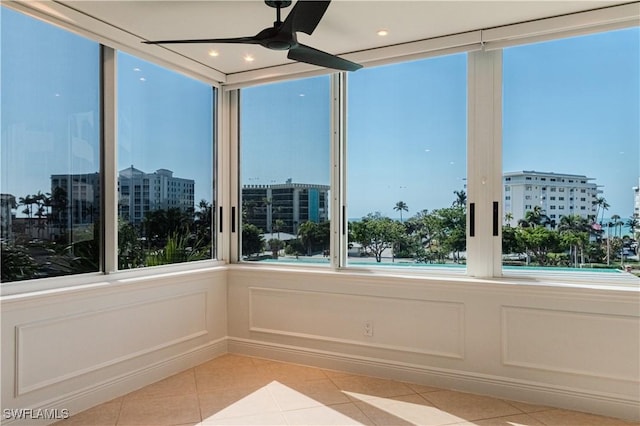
(496, 386)
(114, 387)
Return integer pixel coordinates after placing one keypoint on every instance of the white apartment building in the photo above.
(140, 192)
(557, 194)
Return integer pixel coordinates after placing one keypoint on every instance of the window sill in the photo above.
(581, 281)
(70, 283)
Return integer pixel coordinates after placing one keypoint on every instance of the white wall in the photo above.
(559, 346)
(569, 347)
(77, 347)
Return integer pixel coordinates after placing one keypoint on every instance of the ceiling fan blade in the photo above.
(305, 16)
(237, 40)
(307, 54)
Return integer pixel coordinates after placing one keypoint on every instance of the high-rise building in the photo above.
(76, 198)
(556, 194)
(291, 203)
(140, 192)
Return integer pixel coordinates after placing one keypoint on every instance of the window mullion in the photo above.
(338, 171)
(109, 159)
(231, 158)
(485, 163)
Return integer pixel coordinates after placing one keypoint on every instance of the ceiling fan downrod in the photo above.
(278, 5)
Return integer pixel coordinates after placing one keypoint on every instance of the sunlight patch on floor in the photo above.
(408, 411)
(277, 404)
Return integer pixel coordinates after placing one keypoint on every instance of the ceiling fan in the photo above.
(304, 17)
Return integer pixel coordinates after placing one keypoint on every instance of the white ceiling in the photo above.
(348, 25)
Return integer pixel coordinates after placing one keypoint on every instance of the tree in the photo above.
(130, 251)
(248, 210)
(275, 245)
(602, 204)
(27, 201)
(449, 231)
(508, 217)
(617, 225)
(202, 224)
(510, 242)
(278, 224)
(574, 233)
(40, 200)
(533, 218)
(633, 224)
(308, 234)
(461, 199)
(400, 207)
(252, 241)
(159, 224)
(177, 249)
(539, 241)
(16, 263)
(60, 210)
(376, 233)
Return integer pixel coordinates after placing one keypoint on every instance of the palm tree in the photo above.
(508, 217)
(400, 207)
(617, 225)
(633, 224)
(601, 202)
(575, 230)
(533, 218)
(461, 199)
(278, 224)
(27, 201)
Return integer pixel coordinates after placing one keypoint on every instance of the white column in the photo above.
(484, 173)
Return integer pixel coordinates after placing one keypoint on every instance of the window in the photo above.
(165, 153)
(50, 124)
(406, 149)
(569, 112)
(285, 145)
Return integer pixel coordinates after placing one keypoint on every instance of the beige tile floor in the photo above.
(240, 390)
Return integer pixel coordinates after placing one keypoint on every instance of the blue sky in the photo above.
(570, 106)
(164, 122)
(573, 106)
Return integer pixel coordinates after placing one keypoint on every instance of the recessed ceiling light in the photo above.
(213, 53)
(382, 33)
(248, 58)
(143, 79)
(136, 69)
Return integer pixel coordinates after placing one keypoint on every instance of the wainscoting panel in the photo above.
(57, 349)
(402, 324)
(572, 342)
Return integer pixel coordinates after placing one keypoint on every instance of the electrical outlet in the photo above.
(368, 328)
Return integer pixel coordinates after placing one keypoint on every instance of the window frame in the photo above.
(108, 273)
(226, 120)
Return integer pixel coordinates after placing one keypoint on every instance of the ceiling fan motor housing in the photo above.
(278, 3)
